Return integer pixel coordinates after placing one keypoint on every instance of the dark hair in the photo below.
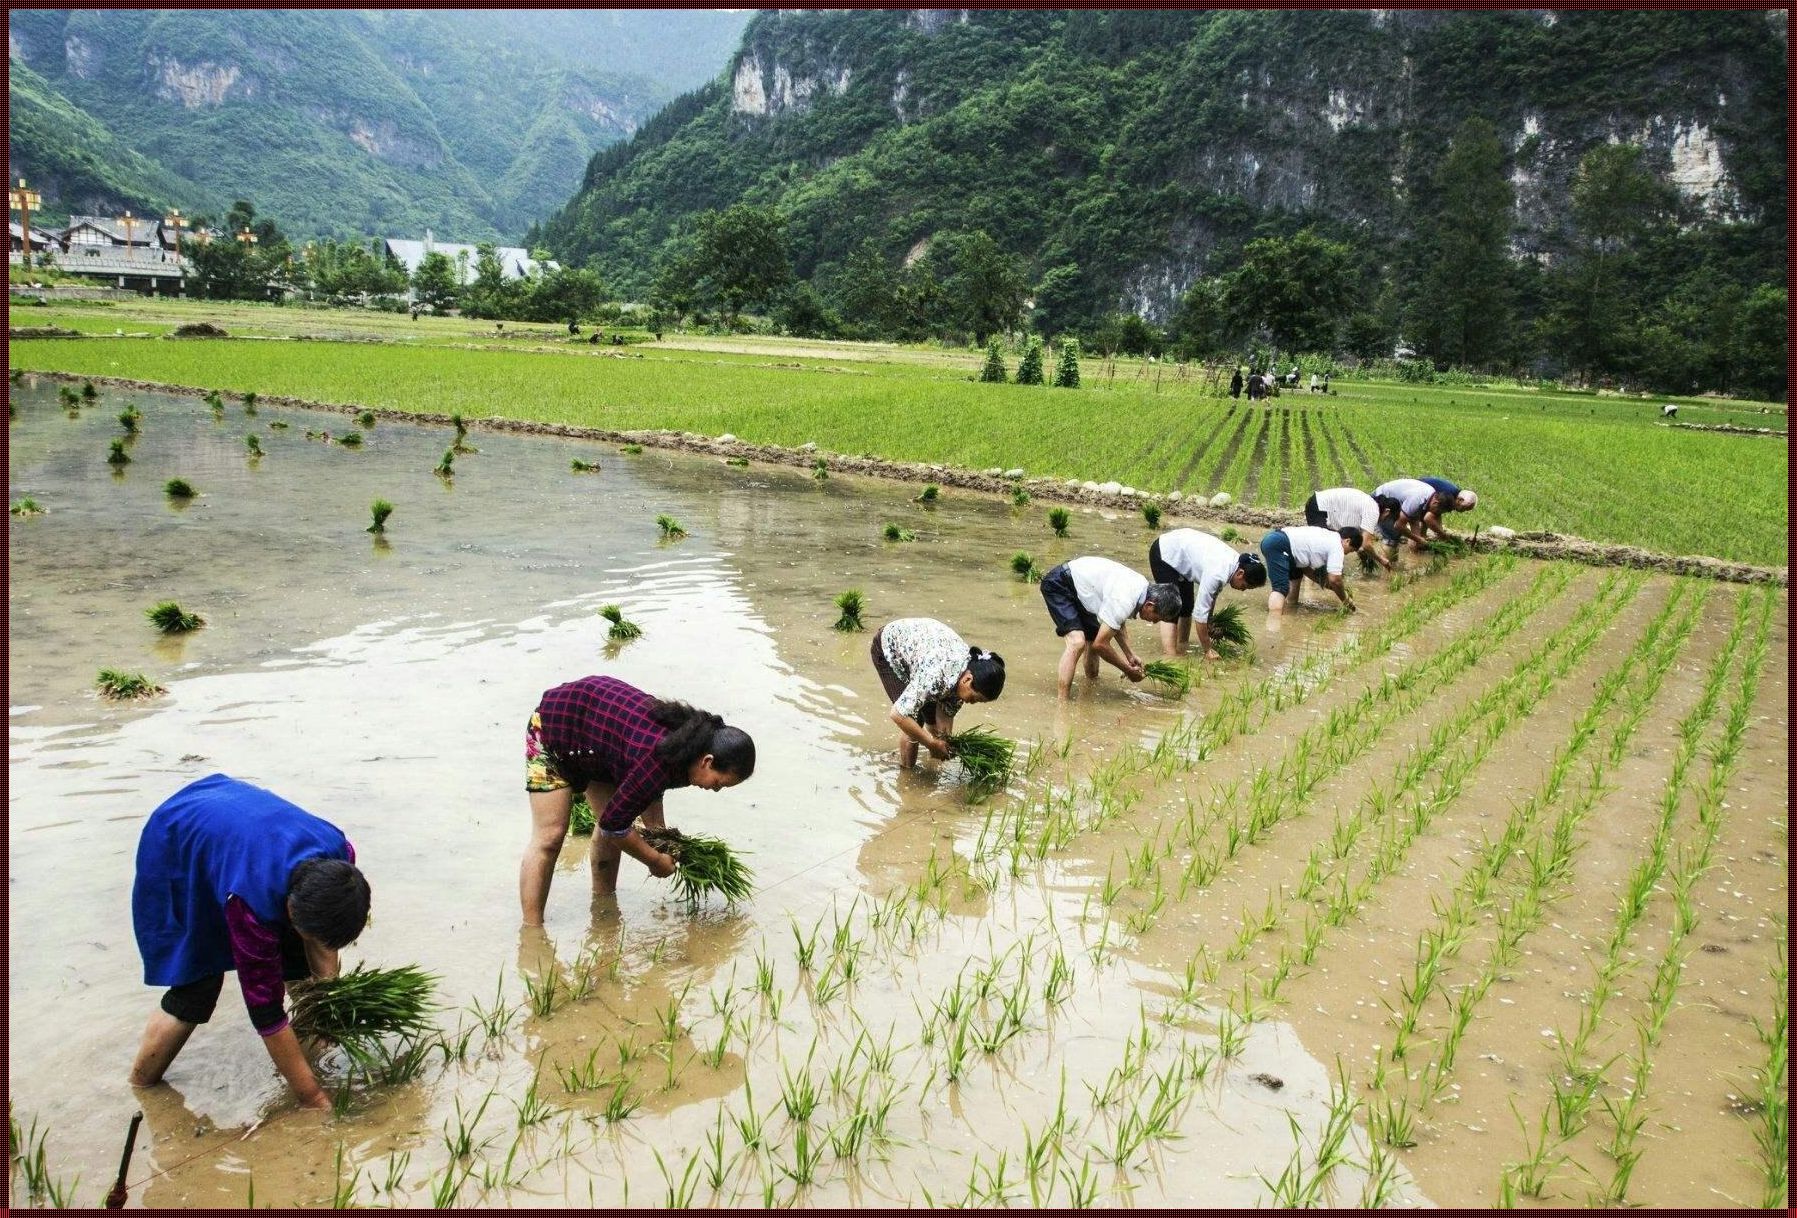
(1254, 571)
(988, 669)
(329, 901)
(1353, 534)
(1165, 599)
(692, 733)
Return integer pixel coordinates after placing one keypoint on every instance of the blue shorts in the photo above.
(1063, 605)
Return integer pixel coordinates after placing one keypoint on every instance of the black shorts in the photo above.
(1314, 515)
(1064, 607)
(194, 1001)
(1165, 573)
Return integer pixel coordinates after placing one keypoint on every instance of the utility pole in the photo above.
(22, 201)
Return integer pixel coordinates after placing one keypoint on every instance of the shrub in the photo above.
(1029, 368)
(1066, 373)
(994, 371)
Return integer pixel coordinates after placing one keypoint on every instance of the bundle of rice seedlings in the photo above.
(622, 631)
(350, 439)
(170, 618)
(850, 603)
(1151, 513)
(1228, 631)
(702, 865)
(278, 425)
(632, 449)
(214, 400)
(929, 494)
(129, 418)
(1019, 497)
(358, 1010)
(27, 507)
(893, 532)
(117, 455)
(88, 391)
(68, 396)
(1174, 679)
(1230, 533)
(1368, 564)
(736, 460)
(179, 488)
(249, 402)
(446, 467)
(1057, 520)
(1448, 547)
(118, 684)
(1024, 564)
(17, 376)
(670, 528)
(581, 820)
(253, 442)
(820, 469)
(985, 755)
(365, 419)
(583, 467)
(380, 509)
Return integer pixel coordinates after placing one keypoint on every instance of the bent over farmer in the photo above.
(1307, 552)
(622, 748)
(233, 878)
(929, 671)
(1199, 565)
(1090, 600)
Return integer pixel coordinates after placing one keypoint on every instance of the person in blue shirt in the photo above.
(1450, 499)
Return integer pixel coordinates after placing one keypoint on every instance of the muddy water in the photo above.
(384, 683)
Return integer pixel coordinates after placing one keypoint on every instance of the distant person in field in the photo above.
(1307, 552)
(1235, 383)
(233, 878)
(1406, 508)
(621, 748)
(1199, 565)
(1291, 377)
(1090, 600)
(929, 671)
(1342, 506)
(1316, 384)
(1669, 411)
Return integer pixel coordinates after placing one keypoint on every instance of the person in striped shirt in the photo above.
(623, 748)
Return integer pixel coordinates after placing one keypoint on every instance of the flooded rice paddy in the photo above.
(1349, 924)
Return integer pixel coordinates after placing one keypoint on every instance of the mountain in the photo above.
(340, 122)
(1123, 155)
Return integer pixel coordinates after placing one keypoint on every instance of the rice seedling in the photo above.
(88, 392)
(249, 402)
(893, 532)
(26, 506)
(1023, 565)
(253, 443)
(129, 418)
(116, 455)
(820, 469)
(460, 1141)
(799, 1094)
(985, 755)
(1230, 533)
(378, 511)
(446, 466)
(929, 494)
(1019, 497)
(670, 528)
(583, 467)
(215, 400)
(849, 604)
(702, 865)
(170, 618)
(541, 993)
(802, 1171)
(680, 1192)
(1058, 518)
(358, 1010)
(68, 397)
(119, 685)
(736, 461)
(1151, 515)
(621, 629)
(350, 439)
(365, 419)
(631, 449)
(1175, 679)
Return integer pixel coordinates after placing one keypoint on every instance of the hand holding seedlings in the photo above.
(929, 672)
(622, 748)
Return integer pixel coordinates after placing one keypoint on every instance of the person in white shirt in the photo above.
(1199, 565)
(1406, 506)
(1306, 551)
(1090, 600)
(1343, 506)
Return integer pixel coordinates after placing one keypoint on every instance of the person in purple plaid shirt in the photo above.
(623, 748)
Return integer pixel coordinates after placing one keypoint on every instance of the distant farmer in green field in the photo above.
(1198, 564)
(1409, 508)
(1090, 599)
(1307, 552)
(622, 748)
(1342, 506)
(929, 671)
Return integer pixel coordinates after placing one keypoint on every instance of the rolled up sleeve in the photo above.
(256, 950)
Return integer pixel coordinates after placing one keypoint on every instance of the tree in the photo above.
(1066, 373)
(1029, 367)
(1058, 296)
(1296, 289)
(1462, 313)
(802, 312)
(1764, 338)
(742, 259)
(1201, 325)
(434, 283)
(994, 371)
(863, 291)
(984, 285)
